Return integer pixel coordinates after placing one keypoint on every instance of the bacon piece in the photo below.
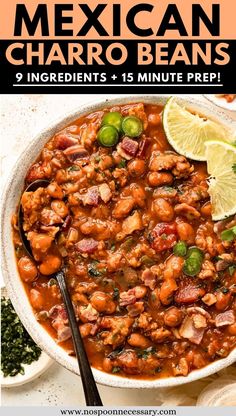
(105, 192)
(87, 245)
(127, 298)
(143, 146)
(63, 333)
(49, 217)
(76, 152)
(135, 309)
(209, 299)
(187, 211)
(87, 313)
(197, 310)
(91, 197)
(127, 148)
(58, 311)
(60, 322)
(38, 171)
(199, 321)
(226, 259)
(63, 141)
(225, 318)
(148, 279)
(132, 295)
(130, 224)
(163, 236)
(51, 230)
(66, 224)
(189, 293)
(189, 331)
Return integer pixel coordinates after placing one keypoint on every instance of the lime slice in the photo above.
(187, 132)
(221, 166)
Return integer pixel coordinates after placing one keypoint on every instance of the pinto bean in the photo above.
(107, 365)
(186, 232)
(154, 119)
(136, 167)
(41, 242)
(168, 288)
(173, 267)
(123, 207)
(36, 299)
(138, 193)
(27, 269)
(160, 178)
(106, 162)
(163, 210)
(222, 301)
(60, 208)
(51, 264)
(173, 317)
(138, 341)
(206, 209)
(85, 329)
(102, 302)
(232, 329)
(55, 191)
(155, 299)
(140, 291)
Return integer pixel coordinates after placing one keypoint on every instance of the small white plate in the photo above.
(32, 371)
(221, 102)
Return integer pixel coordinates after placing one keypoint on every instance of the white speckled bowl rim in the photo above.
(16, 291)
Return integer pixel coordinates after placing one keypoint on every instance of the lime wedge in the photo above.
(187, 132)
(221, 166)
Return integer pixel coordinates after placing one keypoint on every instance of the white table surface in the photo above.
(22, 117)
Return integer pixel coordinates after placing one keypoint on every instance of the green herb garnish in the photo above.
(232, 269)
(145, 353)
(17, 346)
(116, 370)
(92, 269)
(122, 164)
(116, 293)
(73, 168)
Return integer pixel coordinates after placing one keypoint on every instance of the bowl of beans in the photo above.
(151, 279)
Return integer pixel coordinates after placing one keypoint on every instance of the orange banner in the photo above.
(149, 19)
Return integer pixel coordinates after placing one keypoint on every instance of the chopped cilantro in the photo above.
(234, 168)
(17, 346)
(232, 269)
(92, 269)
(145, 353)
(113, 247)
(116, 369)
(168, 188)
(122, 164)
(73, 168)
(116, 293)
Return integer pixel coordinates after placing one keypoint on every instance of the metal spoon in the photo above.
(92, 396)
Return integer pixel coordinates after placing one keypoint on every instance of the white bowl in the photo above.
(13, 283)
(221, 102)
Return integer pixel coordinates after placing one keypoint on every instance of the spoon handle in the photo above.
(91, 393)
